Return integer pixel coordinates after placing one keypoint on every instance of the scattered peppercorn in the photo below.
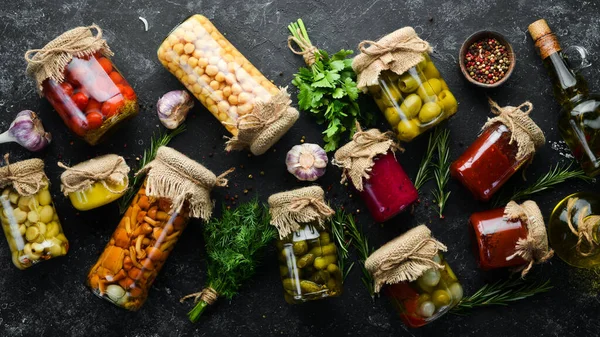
(487, 61)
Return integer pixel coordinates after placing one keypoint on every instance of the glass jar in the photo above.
(308, 265)
(495, 239)
(489, 162)
(415, 101)
(31, 227)
(96, 196)
(561, 237)
(137, 251)
(427, 298)
(93, 99)
(211, 68)
(389, 190)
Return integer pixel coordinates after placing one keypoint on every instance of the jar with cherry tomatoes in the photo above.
(75, 73)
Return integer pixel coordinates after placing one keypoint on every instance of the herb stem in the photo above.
(441, 171)
(360, 242)
(424, 172)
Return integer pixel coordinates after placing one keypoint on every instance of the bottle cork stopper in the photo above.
(538, 29)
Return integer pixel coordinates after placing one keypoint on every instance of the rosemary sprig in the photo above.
(441, 171)
(501, 293)
(424, 172)
(339, 235)
(557, 174)
(360, 242)
(148, 156)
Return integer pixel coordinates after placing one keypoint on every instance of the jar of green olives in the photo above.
(28, 216)
(407, 87)
(308, 259)
(418, 280)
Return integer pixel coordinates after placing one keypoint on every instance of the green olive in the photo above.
(389, 77)
(444, 85)
(429, 112)
(411, 106)
(300, 247)
(421, 65)
(390, 95)
(441, 298)
(392, 116)
(375, 91)
(430, 71)
(408, 83)
(323, 261)
(408, 129)
(427, 92)
(448, 101)
(436, 85)
(457, 291)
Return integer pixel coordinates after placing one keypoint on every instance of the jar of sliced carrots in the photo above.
(137, 251)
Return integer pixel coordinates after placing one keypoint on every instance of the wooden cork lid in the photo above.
(539, 29)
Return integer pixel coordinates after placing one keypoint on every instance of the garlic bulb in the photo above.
(307, 162)
(27, 130)
(173, 108)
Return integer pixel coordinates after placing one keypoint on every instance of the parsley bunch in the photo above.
(327, 88)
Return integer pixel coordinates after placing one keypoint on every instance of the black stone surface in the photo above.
(51, 299)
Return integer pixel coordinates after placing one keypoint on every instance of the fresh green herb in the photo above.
(501, 293)
(148, 156)
(424, 172)
(557, 174)
(339, 234)
(234, 245)
(360, 242)
(327, 88)
(441, 171)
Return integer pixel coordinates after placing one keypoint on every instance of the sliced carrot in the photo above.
(126, 283)
(93, 280)
(113, 259)
(136, 292)
(127, 263)
(135, 273)
(143, 202)
(121, 238)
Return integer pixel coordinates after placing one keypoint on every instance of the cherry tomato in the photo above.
(112, 106)
(127, 91)
(93, 106)
(81, 100)
(116, 77)
(78, 126)
(106, 64)
(94, 120)
(402, 291)
(67, 88)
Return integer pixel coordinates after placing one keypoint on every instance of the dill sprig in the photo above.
(424, 172)
(234, 246)
(501, 293)
(339, 234)
(441, 171)
(556, 175)
(360, 242)
(148, 156)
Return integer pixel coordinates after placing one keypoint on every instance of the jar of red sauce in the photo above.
(500, 236)
(507, 142)
(89, 93)
(368, 161)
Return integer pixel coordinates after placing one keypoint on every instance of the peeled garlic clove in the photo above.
(115, 292)
(307, 162)
(173, 108)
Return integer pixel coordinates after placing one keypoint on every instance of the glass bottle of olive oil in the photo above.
(579, 121)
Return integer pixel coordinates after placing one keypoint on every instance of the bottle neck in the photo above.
(569, 87)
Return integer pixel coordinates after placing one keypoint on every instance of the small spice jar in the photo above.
(251, 108)
(75, 74)
(28, 216)
(507, 142)
(176, 188)
(514, 236)
(574, 230)
(95, 182)
(417, 278)
(370, 164)
(407, 87)
(308, 258)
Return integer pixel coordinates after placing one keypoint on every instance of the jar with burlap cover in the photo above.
(26, 177)
(174, 176)
(534, 247)
(110, 170)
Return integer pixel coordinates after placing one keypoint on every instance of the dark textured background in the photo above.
(51, 299)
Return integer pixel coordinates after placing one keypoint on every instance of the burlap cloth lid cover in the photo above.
(533, 248)
(50, 61)
(525, 132)
(174, 176)
(110, 170)
(265, 125)
(290, 209)
(405, 258)
(27, 177)
(356, 157)
(398, 51)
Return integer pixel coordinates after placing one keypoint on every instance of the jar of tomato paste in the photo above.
(514, 236)
(75, 73)
(370, 164)
(508, 142)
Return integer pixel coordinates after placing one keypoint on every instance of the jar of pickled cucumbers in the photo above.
(407, 87)
(228, 85)
(75, 73)
(370, 164)
(28, 216)
(308, 258)
(417, 278)
(573, 230)
(500, 235)
(507, 142)
(95, 182)
(176, 188)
